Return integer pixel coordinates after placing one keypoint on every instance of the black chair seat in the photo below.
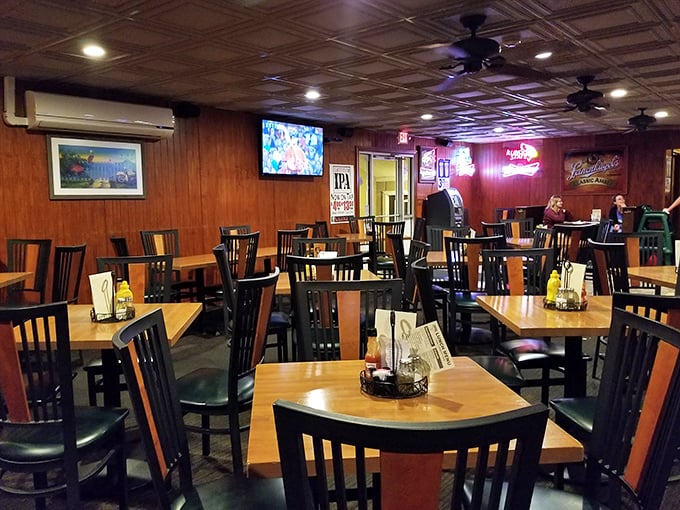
(230, 492)
(206, 389)
(278, 320)
(22, 444)
(502, 369)
(576, 415)
(466, 302)
(543, 497)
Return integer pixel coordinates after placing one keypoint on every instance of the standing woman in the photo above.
(555, 212)
(616, 211)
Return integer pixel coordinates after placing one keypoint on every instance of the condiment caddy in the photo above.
(409, 379)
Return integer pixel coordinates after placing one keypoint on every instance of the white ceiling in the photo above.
(375, 62)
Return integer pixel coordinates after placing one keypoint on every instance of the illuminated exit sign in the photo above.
(520, 159)
(403, 137)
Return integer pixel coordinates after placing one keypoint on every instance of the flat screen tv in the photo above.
(291, 149)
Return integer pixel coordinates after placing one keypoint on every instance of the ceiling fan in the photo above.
(641, 121)
(586, 100)
(474, 54)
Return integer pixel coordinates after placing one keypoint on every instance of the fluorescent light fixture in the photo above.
(498, 129)
(661, 114)
(312, 94)
(94, 51)
(544, 55)
(426, 116)
(618, 93)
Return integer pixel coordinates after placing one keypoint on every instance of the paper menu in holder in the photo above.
(574, 278)
(102, 288)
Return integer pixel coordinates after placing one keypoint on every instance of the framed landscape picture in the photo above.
(427, 169)
(82, 169)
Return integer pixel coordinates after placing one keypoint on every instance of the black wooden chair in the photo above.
(241, 251)
(495, 229)
(284, 245)
(150, 279)
(610, 274)
(636, 417)
(302, 269)
(228, 391)
(501, 367)
(523, 272)
(466, 281)
(523, 227)
(322, 228)
(28, 255)
(411, 458)
(381, 263)
(324, 309)
(409, 299)
(278, 320)
(67, 272)
(234, 229)
(143, 347)
(542, 237)
(120, 246)
(166, 242)
(41, 432)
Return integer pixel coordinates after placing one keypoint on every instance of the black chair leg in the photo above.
(545, 385)
(282, 340)
(92, 389)
(235, 434)
(205, 436)
(40, 482)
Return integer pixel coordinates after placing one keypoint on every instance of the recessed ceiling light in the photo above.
(618, 92)
(498, 130)
(94, 51)
(426, 116)
(544, 55)
(662, 114)
(312, 94)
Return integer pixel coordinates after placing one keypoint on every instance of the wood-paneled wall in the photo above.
(206, 175)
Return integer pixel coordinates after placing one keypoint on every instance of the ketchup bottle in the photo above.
(372, 358)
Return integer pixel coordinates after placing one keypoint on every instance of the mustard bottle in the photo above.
(124, 307)
(552, 288)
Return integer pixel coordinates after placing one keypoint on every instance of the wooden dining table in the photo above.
(86, 334)
(464, 391)
(198, 264)
(663, 276)
(10, 278)
(527, 317)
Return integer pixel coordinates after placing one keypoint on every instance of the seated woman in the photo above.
(616, 211)
(555, 212)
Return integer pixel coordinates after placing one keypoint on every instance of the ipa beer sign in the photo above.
(342, 192)
(595, 172)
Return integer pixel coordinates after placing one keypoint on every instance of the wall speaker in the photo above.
(185, 110)
(444, 142)
(346, 132)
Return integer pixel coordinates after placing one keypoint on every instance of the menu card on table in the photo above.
(427, 339)
(102, 287)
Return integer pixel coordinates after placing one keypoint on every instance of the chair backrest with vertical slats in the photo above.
(149, 276)
(464, 260)
(29, 255)
(284, 245)
(160, 242)
(411, 457)
(332, 316)
(241, 251)
(68, 269)
(517, 272)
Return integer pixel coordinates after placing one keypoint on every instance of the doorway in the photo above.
(386, 187)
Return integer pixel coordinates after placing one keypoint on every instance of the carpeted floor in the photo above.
(196, 350)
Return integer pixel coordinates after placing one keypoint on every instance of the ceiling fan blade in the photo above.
(570, 108)
(595, 112)
(447, 83)
(524, 72)
(457, 52)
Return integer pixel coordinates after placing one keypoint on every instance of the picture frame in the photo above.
(595, 171)
(427, 164)
(91, 169)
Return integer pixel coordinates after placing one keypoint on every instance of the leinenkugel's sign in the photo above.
(595, 171)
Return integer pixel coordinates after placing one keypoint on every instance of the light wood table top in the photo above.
(7, 279)
(191, 262)
(526, 316)
(283, 283)
(665, 276)
(356, 237)
(520, 242)
(465, 391)
(86, 334)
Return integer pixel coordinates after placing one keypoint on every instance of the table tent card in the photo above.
(573, 276)
(102, 288)
(427, 339)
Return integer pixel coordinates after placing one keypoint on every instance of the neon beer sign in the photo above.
(522, 160)
(463, 161)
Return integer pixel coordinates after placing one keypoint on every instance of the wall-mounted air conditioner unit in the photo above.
(54, 112)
